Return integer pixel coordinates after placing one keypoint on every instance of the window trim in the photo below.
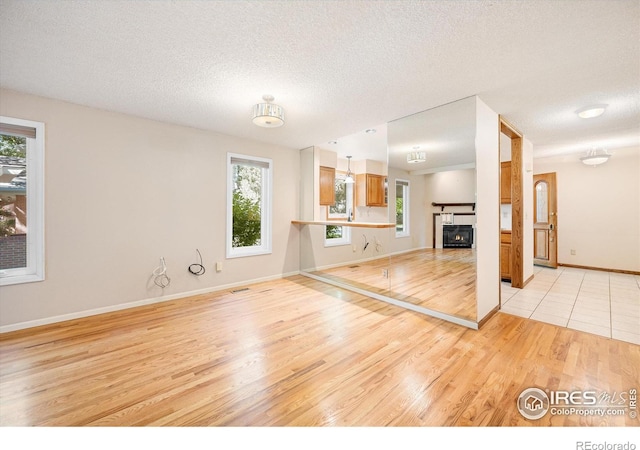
(34, 271)
(265, 246)
(349, 198)
(406, 232)
(336, 242)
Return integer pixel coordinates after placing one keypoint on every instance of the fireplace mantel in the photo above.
(433, 222)
(444, 205)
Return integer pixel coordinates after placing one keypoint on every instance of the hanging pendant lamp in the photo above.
(268, 115)
(349, 178)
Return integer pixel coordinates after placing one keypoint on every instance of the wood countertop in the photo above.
(344, 223)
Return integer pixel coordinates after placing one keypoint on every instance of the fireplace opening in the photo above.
(457, 236)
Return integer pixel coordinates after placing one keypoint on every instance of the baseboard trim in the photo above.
(148, 301)
(491, 313)
(574, 266)
(527, 281)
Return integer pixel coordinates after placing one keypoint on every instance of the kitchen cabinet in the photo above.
(371, 190)
(327, 186)
(505, 182)
(505, 255)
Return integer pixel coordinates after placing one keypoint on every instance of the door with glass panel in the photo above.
(545, 220)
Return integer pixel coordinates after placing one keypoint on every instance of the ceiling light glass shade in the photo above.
(268, 115)
(596, 157)
(349, 178)
(416, 157)
(591, 111)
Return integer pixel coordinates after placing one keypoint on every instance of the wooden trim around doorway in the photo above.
(517, 204)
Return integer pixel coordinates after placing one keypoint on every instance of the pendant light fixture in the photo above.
(268, 115)
(349, 178)
(416, 157)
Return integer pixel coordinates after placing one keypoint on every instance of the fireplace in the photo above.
(457, 236)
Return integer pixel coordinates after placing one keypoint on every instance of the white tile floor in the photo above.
(604, 303)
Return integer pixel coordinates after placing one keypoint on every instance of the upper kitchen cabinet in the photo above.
(505, 182)
(327, 186)
(371, 190)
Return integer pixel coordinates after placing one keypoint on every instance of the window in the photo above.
(402, 208)
(343, 206)
(248, 205)
(342, 209)
(336, 235)
(21, 201)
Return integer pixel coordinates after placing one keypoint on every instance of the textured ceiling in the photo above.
(337, 67)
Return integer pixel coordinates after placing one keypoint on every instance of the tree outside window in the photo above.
(402, 208)
(21, 201)
(247, 192)
(249, 206)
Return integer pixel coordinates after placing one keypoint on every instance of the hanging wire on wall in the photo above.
(197, 268)
(366, 242)
(161, 278)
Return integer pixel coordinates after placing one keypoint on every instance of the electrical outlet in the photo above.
(385, 273)
(218, 267)
(573, 252)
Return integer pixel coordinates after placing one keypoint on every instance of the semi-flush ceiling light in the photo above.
(370, 130)
(268, 115)
(596, 157)
(349, 178)
(591, 111)
(416, 157)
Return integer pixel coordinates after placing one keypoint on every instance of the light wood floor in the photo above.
(443, 280)
(298, 352)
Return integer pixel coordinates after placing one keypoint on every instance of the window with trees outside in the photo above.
(248, 205)
(402, 208)
(21, 201)
(341, 210)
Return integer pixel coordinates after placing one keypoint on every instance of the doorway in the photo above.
(511, 190)
(545, 220)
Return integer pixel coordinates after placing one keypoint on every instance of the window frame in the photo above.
(349, 198)
(406, 189)
(266, 201)
(345, 239)
(35, 268)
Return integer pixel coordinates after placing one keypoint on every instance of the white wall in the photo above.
(419, 227)
(488, 209)
(120, 193)
(315, 256)
(598, 210)
(309, 195)
(453, 186)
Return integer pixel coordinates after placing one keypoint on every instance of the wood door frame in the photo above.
(517, 204)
